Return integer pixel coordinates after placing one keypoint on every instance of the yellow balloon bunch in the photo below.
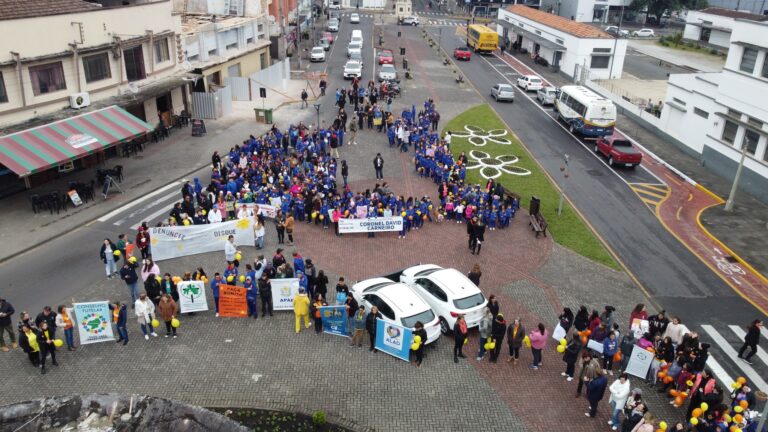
(175, 323)
(58, 343)
(155, 323)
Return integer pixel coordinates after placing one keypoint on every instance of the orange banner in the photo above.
(232, 302)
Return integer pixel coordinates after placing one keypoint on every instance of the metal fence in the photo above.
(212, 105)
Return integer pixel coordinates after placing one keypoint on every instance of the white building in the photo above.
(715, 115)
(571, 46)
(601, 11)
(714, 26)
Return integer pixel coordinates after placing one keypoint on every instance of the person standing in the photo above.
(498, 331)
(280, 227)
(353, 131)
(459, 337)
(142, 242)
(289, 224)
(304, 97)
(145, 313)
(589, 368)
(106, 253)
(486, 323)
(215, 282)
(47, 316)
(619, 394)
(570, 356)
(478, 237)
(265, 292)
(30, 340)
(474, 274)
(120, 319)
(421, 333)
(370, 326)
(259, 232)
(323, 86)
(64, 322)
(358, 327)
(152, 288)
(46, 345)
(493, 304)
(515, 336)
(130, 277)
(595, 392)
(301, 309)
(6, 324)
(610, 348)
(378, 166)
(316, 315)
(167, 311)
(751, 339)
(250, 296)
(342, 291)
(230, 251)
(538, 339)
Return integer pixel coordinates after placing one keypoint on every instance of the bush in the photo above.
(690, 45)
(714, 51)
(662, 40)
(664, 43)
(318, 418)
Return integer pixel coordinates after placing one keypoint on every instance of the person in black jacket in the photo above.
(152, 287)
(459, 336)
(420, 332)
(131, 278)
(479, 237)
(46, 345)
(30, 340)
(751, 339)
(581, 321)
(498, 330)
(570, 356)
(265, 292)
(493, 305)
(107, 255)
(566, 319)
(370, 326)
(6, 325)
(48, 316)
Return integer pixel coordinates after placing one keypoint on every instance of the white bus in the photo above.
(585, 112)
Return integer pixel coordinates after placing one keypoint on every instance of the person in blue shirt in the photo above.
(610, 346)
(231, 270)
(120, 319)
(298, 263)
(215, 282)
(250, 297)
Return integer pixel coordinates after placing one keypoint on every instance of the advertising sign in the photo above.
(283, 291)
(173, 242)
(94, 322)
(192, 296)
(334, 320)
(378, 224)
(393, 339)
(232, 303)
(639, 362)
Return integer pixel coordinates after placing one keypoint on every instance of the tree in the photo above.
(655, 7)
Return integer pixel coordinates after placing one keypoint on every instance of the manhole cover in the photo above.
(594, 173)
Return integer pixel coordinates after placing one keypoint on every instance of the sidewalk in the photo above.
(159, 164)
(742, 231)
(699, 61)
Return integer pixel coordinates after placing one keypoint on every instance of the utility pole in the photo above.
(616, 42)
(564, 169)
(735, 186)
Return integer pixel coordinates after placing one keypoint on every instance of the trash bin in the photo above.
(260, 116)
(268, 116)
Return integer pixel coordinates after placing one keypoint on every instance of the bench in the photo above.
(538, 224)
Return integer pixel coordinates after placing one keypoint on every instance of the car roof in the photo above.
(503, 85)
(396, 294)
(421, 269)
(454, 282)
(385, 51)
(318, 48)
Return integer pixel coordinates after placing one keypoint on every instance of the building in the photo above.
(574, 48)
(716, 115)
(403, 8)
(62, 58)
(601, 11)
(713, 26)
(490, 8)
(758, 7)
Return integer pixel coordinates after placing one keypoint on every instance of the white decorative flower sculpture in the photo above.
(479, 137)
(493, 167)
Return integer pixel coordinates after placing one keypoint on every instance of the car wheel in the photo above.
(597, 148)
(444, 328)
(610, 161)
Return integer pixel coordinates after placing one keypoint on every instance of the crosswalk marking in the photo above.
(147, 207)
(752, 376)
(116, 212)
(764, 332)
(149, 218)
(761, 354)
(719, 372)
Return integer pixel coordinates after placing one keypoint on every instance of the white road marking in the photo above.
(145, 208)
(719, 372)
(764, 332)
(752, 376)
(761, 354)
(152, 216)
(116, 212)
(256, 377)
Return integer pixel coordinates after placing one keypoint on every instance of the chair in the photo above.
(37, 204)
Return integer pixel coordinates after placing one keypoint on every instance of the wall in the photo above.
(578, 10)
(249, 63)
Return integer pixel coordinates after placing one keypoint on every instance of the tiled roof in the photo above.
(734, 14)
(17, 9)
(557, 22)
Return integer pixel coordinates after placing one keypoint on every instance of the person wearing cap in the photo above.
(250, 296)
(301, 309)
(6, 325)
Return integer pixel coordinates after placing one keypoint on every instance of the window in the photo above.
(600, 62)
(764, 72)
(679, 101)
(47, 78)
(134, 63)
(560, 41)
(755, 122)
(601, 50)
(729, 131)
(700, 112)
(233, 45)
(249, 40)
(748, 59)
(162, 53)
(433, 289)
(751, 138)
(263, 60)
(3, 93)
(424, 317)
(469, 302)
(96, 67)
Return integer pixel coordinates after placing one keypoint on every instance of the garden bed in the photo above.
(274, 421)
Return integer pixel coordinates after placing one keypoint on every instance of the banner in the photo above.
(393, 339)
(639, 362)
(94, 322)
(558, 333)
(361, 212)
(595, 346)
(379, 224)
(266, 210)
(232, 302)
(334, 320)
(174, 242)
(192, 296)
(283, 291)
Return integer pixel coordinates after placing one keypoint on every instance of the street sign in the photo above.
(262, 92)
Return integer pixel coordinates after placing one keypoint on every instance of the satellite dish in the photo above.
(133, 88)
(187, 66)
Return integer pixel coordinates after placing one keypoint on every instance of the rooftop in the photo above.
(195, 23)
(559, 23)
(15, 9)
(734, 14)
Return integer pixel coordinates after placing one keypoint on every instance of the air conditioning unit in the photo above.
(79, 100)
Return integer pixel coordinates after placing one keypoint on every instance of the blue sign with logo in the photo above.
(393, 339)
(334, 320)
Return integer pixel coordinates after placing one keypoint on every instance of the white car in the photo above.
(398, 304)
(353, 69)
(387, 72)
(357, 57)
(354, 18)
(503, 92)
(354, 47)
(547, 95)
(448, 292)
(333, 25)
(317, 54)
(530, 82)
(411, 20)
(645, 32)
(334, 5)
(616, 31)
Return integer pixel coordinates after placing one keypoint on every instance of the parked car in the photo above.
(547, 95)
(398, 303)
(334, 5)
(325, 44)
(618, 150)
(462, 53)
(448, 292)
(328, 35)
(616, 31)
(503, 92)
(644, 32)
(387, 72)
(354, 19)
(333, 25)
(353, 69)
(386, 57)
(530, 82)
(317, 54)
(411, 20)
(334, 14)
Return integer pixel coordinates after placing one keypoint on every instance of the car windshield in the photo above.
(425, 317)
(353, 65)
(469, 302)
(505, 87)
(621, 143)
(387, 68)
(535, 80)
(462, 49)
(355, 55)
(317, 50)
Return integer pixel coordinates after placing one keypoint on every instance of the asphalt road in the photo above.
(646, 67)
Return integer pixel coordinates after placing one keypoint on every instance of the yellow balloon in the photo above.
(116, 253)
(238, 256)
(694, 421)
(487, 346)
(561, 349)
(417, 339)
(466, 341)
(175, 323)
(242, 278)
(132, 259)
(414, 346)
(492, 345)
(563, 341)
(402, 214)
(186, 222)
(58, 343)
(727, 418)
(230, 278)
(158, 278)
(738, 408)
(155, 323)
(204, 279)
(663, 425)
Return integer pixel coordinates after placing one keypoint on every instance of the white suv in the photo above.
(530, 83)
(398, 304)
(448, 292)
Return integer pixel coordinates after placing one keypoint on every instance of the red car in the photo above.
(462, 53)
(329, 36)
(386, 57)
(618, 150)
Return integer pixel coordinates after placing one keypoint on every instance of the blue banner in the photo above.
(334, 320)
(393, 339)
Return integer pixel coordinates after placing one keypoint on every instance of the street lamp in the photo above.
(317, 108)
(616, 42)
(734, 188)
(564, 169)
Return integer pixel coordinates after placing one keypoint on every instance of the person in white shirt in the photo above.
(447, 138)
(230, 250)
(244, 212)
(259, 231)
(145, 313)
(619, 394)
(214, 216)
